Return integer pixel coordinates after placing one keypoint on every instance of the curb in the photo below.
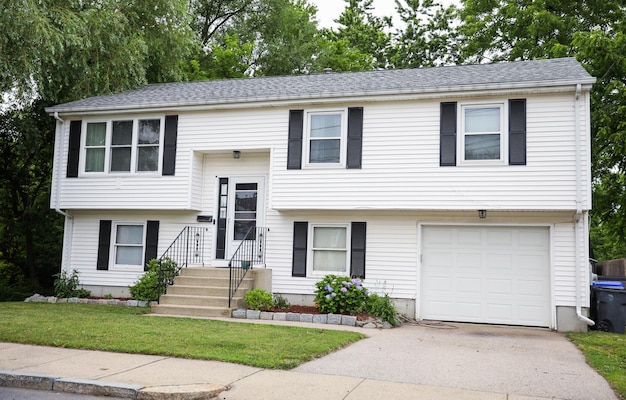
(110, 389)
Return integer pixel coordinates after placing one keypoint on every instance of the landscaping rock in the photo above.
(280, 316)
(132, 303)
(306, 317)
(72, 300)
(320, 319)
(36, 298)
(266, 315)
(253, 314)
(239, 313)
(334, 319)
(348, 320)
(52, 299)
(387, 325)
(293, 317)
(369, 325)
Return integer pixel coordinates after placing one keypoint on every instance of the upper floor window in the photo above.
(481, 137)
(482, 133)
(325, 137)
(121, 146)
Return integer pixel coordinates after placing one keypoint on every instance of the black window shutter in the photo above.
(294, 146)
(300, 232)
(152, 242)
(357, 249)
(447, 134)
(169, 144)
(104, 244)
(73, 153)
(355, 137)
(517, 132)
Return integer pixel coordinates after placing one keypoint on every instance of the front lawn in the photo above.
(128, 330)
(606, 353)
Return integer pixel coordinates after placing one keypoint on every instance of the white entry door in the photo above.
(495, 274)
(245, 209)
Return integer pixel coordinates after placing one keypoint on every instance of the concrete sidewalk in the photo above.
(444, 361)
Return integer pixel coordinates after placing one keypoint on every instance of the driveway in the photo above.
(518, 361)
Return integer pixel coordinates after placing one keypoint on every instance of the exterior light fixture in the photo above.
(236, 154)
(482, 214)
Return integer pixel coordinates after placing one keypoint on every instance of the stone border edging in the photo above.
(330, 319)
(37, 298)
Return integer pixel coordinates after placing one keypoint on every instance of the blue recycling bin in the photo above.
(608, 307)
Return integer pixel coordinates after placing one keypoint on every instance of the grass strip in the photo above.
(606, 353)
(128, 330)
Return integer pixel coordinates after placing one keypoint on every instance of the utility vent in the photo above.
(328, 70)
(204, 218)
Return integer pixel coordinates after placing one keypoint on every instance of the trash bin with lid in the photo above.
(608, 306)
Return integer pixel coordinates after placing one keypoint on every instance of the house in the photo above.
(462, 191)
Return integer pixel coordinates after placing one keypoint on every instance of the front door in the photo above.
(244, 210)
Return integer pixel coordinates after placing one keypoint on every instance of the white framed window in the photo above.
(325, 142)
(123, 146)
(128, 239)
(482, 138)
(329, 249)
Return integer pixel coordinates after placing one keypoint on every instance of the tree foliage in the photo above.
(592, 31)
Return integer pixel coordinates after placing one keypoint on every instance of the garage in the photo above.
(486, 274)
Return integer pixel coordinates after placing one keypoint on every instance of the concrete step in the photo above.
(204, 301)
(210, 282)
(200, 290)
(191, 311)
(206, 272)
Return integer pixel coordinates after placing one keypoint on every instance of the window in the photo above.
(95, 147)
(128, 245)
(481, 134)
(124, 146)
(320, 249)
(329, 248)
(325, 138)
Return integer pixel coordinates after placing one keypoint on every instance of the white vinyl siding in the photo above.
(400, 164)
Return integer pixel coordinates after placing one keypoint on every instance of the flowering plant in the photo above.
(341, 295)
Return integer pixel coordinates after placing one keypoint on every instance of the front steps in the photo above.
(201, 292)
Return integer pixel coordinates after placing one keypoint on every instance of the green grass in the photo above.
(128, 330)
(606, 353)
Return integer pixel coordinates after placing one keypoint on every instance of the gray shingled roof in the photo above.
(338, 85)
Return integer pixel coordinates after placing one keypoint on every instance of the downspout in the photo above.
(67, 231)
(579, 212)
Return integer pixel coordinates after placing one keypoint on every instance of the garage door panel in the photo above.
(486, 274)
(499, 287)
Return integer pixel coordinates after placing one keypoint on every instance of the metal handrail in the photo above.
(251, 252)
(187, 248)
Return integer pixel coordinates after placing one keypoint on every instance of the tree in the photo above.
(363, 31)
(593, 32)
(427, 39)
(55, 51)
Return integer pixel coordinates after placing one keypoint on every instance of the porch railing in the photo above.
(251, 252)
(188, 248)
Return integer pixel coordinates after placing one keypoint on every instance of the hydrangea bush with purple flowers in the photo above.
(341, 295)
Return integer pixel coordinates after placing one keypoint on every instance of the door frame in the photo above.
(230, 244)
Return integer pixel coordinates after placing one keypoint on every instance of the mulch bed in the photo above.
(314, 310)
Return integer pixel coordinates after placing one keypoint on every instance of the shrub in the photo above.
(13, 284)
(259, 299)
(153, 283)
(383, 308)
(280, 301)
(67, 285)
(341, 295)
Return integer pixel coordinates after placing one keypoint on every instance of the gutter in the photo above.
(69, 220)
(579, 212)
(57, 151)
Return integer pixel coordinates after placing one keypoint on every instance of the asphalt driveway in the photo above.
(518, 361)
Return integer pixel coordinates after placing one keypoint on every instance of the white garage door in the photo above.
(497, 275)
